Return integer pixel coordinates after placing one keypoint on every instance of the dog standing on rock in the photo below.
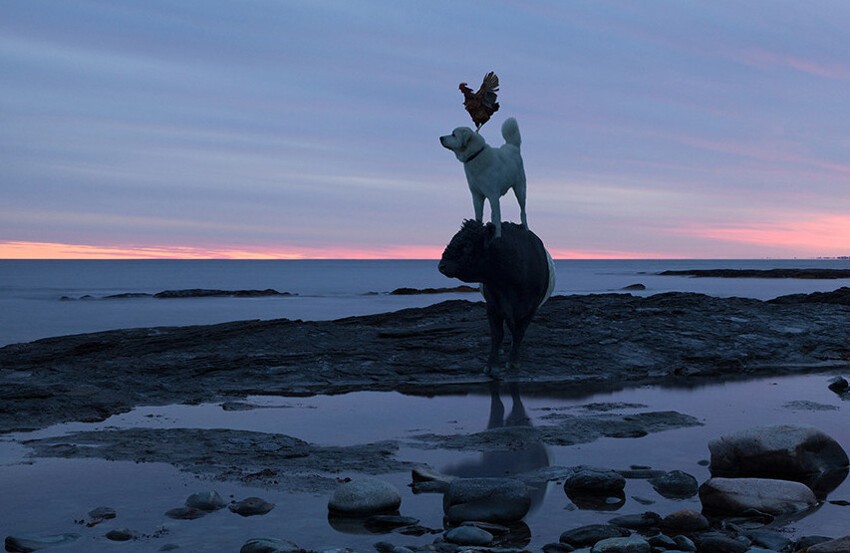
(490, 172)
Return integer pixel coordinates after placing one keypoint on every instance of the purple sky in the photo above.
(650, 129)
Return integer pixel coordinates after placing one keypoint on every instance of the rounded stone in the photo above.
(685, 520)
(364, 496)
(469, 535)
(206, 501)
(121, 534)
(739, 495)
(622, 545)
(251, 506)
(595, 481)
(185, 513)
(592, 533)
(676, 485)
(269, 545)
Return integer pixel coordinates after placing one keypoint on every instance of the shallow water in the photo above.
(45, 496)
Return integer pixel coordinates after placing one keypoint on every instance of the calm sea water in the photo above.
(31, 292)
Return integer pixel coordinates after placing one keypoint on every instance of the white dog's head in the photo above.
(464, 142)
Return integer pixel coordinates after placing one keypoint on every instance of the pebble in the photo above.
(685, 520)
(251, 506)
(622, 545)
(839, 385)
(676, 484)
(637, 522)
(592, 533)
(722, 544)
(595, 481)
(102, 513)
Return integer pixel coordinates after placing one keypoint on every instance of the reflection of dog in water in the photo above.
(507, 462)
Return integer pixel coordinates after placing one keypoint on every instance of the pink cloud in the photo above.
(764, 58)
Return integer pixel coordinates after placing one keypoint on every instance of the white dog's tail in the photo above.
(510, 131)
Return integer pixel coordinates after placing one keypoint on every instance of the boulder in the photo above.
(784, 452)
(737, 495)
(363, 497)
(500, 500)
(685, 520)
(251, 506)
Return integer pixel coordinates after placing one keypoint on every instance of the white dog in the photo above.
(490, 172)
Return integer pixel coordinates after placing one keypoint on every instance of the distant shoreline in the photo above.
(808, 274)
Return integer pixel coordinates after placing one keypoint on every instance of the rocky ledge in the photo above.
(762, 273)
(600, 341)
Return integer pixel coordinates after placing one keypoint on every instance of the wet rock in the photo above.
(768, 539)
(685, 520)
(722, 544)
(592, 533)
(637, 286)
(662, 541)
(784, 452)
(622, 545)
(684, 543)
(24, 544)
(102, 513)
(739, 495)
(839, 385)
(206, 501)
(185, 513)
(640, 521)
(428, 480)
(676, 485)
(840, 545)
(595, 481)
(121, 534)
(499, 500)
(169, 547)
(364, 496)
(251, 506)
(808, 541)
(469, 535)
(269, 545)
(558, 548)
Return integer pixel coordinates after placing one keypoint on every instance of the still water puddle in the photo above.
(46, 496)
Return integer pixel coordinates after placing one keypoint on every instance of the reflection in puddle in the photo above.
(44, 496)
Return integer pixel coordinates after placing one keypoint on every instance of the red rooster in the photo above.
(482, 104)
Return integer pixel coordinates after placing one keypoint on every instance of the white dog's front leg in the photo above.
(478, 206)
(496, 215)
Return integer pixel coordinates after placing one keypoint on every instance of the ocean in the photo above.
(45, 298)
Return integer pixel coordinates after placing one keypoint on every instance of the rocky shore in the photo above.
(591, 342)
(595, 341)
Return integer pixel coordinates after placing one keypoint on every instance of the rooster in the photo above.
(482, 104)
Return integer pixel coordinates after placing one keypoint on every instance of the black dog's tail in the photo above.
(510, 132)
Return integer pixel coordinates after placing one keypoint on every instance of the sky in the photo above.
(283, 129)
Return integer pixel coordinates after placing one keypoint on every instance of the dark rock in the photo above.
(662, 541)
(635, 287)
(685, 520)
(684, 543)
(499, 500)
(364, 496)
(251, 506)
(592, 533)
(558, 548)
(768, 539)
(25, 544)
(807, 541)
(722, 544)
(631, 544)
(121, 534)
(469, 535)
(269, 545)
(102, 513)
(762, 273)
(742, 495)
(640, 521)
(204, 293)
(462, 289)
(839, 385)
(185, 513)
(206, 501)
(595, 481)
(676, 485)
(837, 297)
(784, 452)
(840, 545)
